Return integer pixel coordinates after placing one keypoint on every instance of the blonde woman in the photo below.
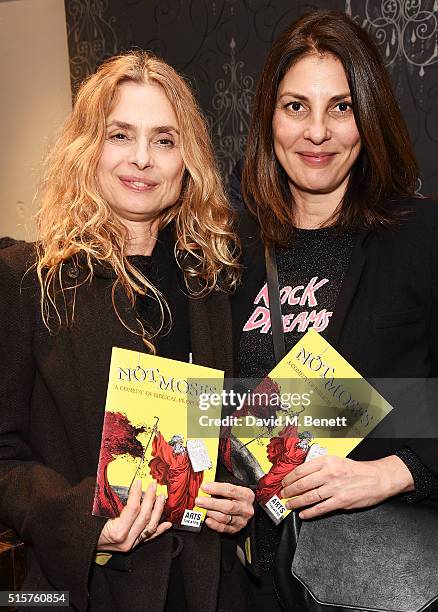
(133, 221)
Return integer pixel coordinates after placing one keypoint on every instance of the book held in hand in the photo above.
(144, 435)
(311, 404)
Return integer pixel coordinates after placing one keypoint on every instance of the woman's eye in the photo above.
(119, 137)
(343, 107)
(294, 106)
(165, 142)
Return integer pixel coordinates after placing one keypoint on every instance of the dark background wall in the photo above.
(220, 46)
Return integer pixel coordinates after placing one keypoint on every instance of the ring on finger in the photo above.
(230, 520)
(319, 495)
(145, 534)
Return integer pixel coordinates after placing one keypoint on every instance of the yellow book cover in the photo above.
(312, 403)
(145, 435)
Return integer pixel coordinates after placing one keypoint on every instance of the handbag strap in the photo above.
(293, 520)
(274, 303)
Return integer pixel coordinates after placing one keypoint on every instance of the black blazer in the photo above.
(52, 398)
(385, 321)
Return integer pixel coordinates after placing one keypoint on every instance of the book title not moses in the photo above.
(157, 380)
(209, 396)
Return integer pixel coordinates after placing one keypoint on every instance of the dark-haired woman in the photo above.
(328, 184)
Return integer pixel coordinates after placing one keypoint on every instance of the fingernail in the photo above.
(206, 487)
(282, 493)
(138, 483)
(162, 497)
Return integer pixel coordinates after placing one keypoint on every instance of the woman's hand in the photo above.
(138, 521)
(230, 508)
(334, 483)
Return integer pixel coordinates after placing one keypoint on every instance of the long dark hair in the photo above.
(386, 167)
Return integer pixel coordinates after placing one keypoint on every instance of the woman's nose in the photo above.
(141, 155)
(317, 130)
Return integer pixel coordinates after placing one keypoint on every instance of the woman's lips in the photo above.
(137, 184)
(316, 159)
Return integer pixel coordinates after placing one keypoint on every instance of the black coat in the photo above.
(52, 402)
(385, 320)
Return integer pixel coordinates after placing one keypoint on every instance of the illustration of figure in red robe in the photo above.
(286, 451)
(171, 466)
(262, 405)
(119, 437)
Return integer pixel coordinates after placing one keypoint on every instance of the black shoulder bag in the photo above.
(380, 559)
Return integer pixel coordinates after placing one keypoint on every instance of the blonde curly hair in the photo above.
(75, 219)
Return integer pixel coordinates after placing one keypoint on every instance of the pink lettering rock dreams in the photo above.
(300, 295)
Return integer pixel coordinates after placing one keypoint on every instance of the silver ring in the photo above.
(230, 520)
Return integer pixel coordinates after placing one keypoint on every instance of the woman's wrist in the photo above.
(395, 476)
